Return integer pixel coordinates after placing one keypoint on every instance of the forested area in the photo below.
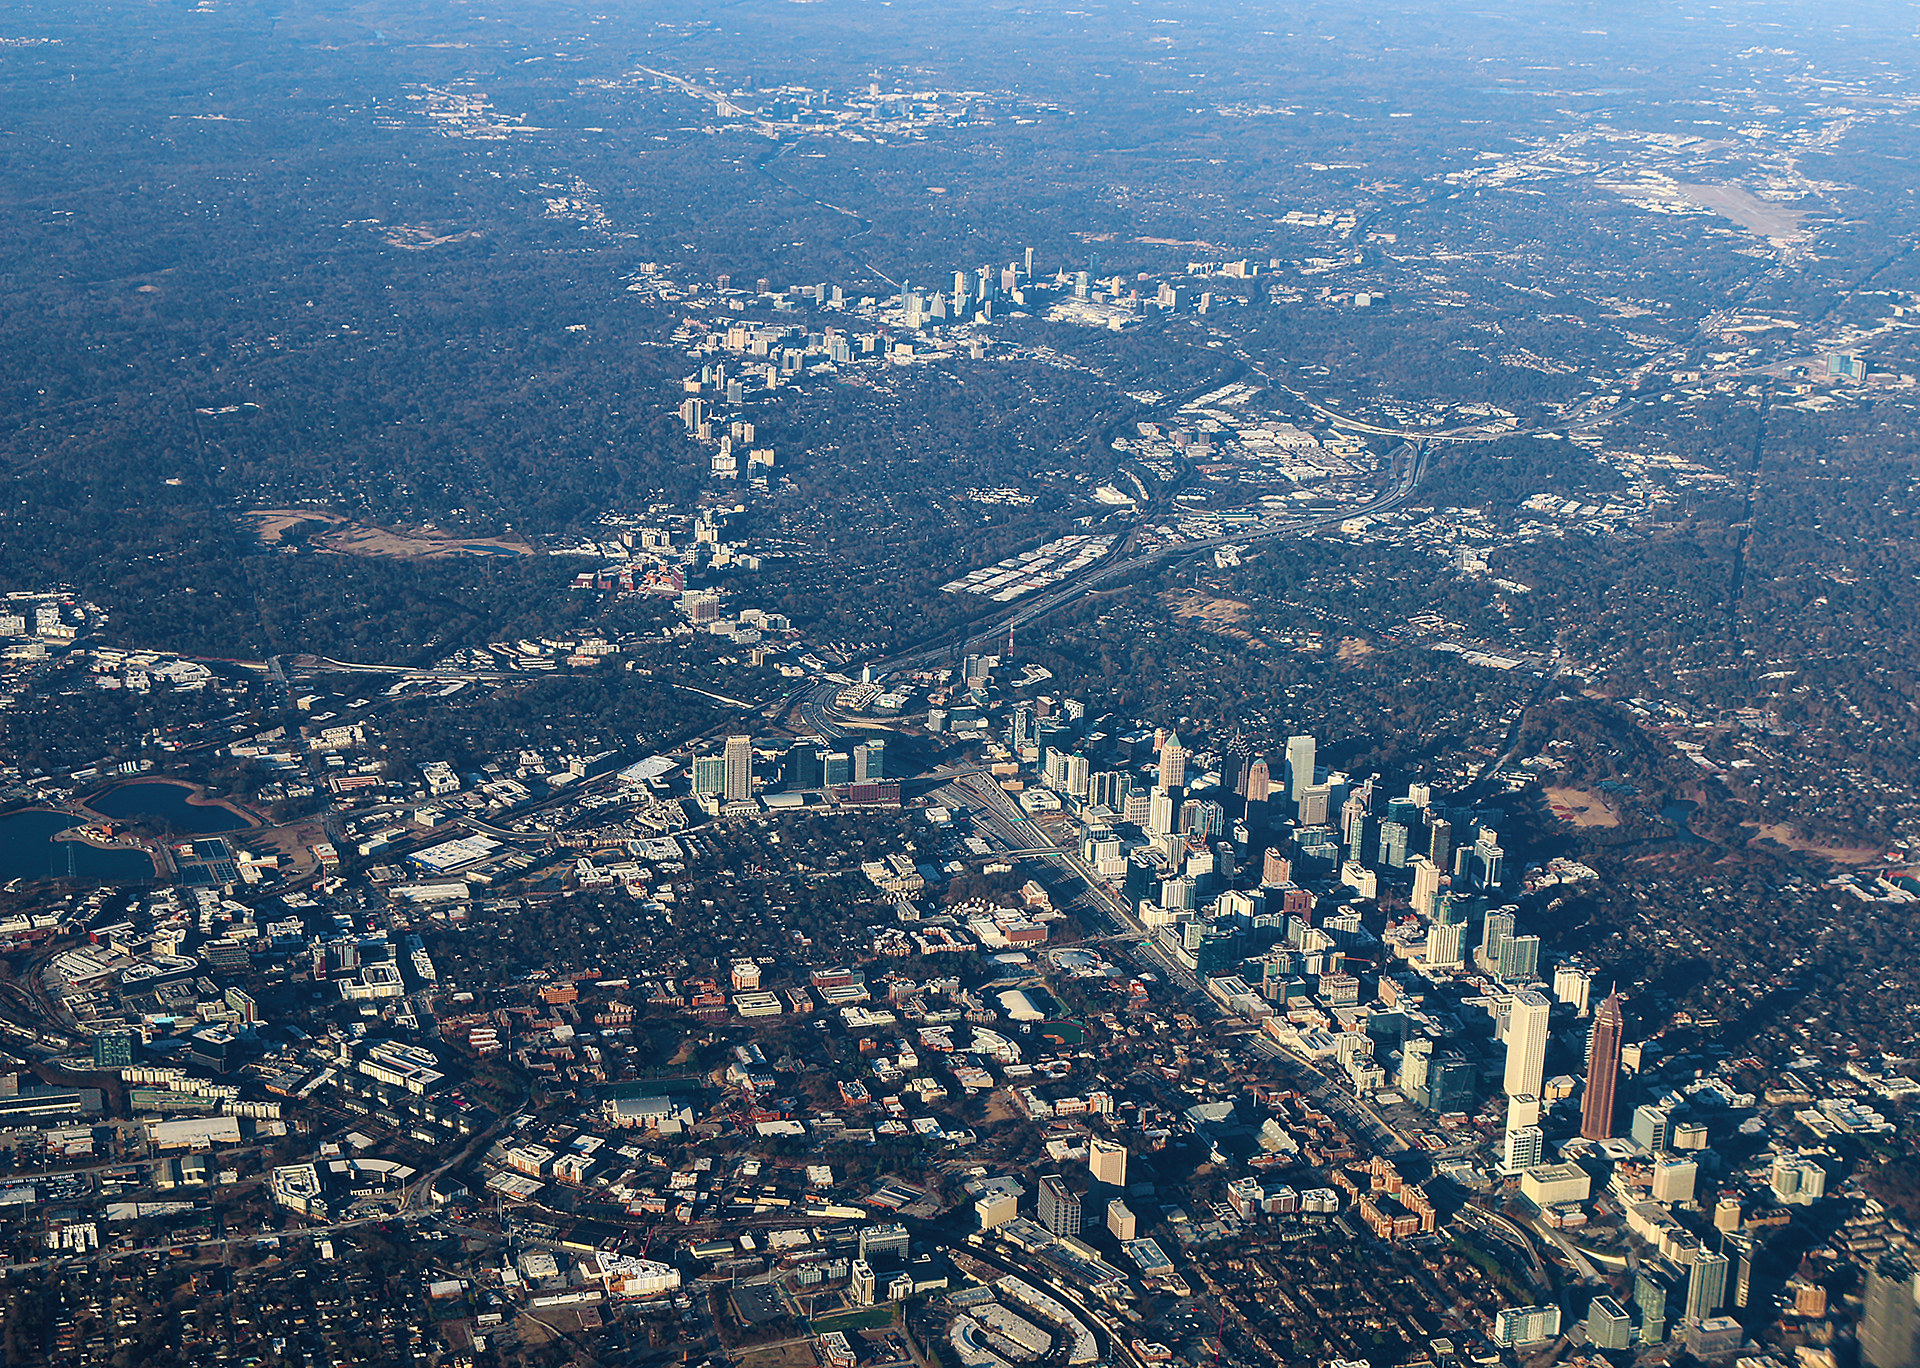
(1316, 651)
(246, 268)
(69, 720)
(620, 709)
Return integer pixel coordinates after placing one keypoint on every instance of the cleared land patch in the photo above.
(1582, 807)
(349, 538)
(417, 237)
(1756, 215)
(1782, 834)
(1222, 615)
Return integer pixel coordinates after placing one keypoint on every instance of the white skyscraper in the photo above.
(1524, 1149)
(1527, 1043)
(1573, 987)
(1299, 766)
(1107, 1161)
(1524, 1145)
(1162, 816)
(1426, 884)
(1446, 945)
(1077, 777)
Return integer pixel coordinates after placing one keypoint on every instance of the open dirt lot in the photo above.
(1222, 615)
(1195, 606)
(1756, 215)
(1582, 807)
(350, 538)
(418, 237)
(294, 844)
(793, 1354)
(1785, 835)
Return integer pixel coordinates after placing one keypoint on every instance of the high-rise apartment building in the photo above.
(1798, 1179)
(1416, 1065)
(1739, 1252)
(1163, 817)
(1109, 789)
(1655, 1289)
(1353, 823)
(709, 775)
(1447, 945)
(1525, 1147)
(1202, 818)
(1059, 1208)
(1489, 861)
(1890, 1320)
(1707, 1286)
(1107, 1161)
(1572, 986)
(739, 761)
(1393, 845)
(1078, 777)
(1493, 934)
(1517, 1325)
(1519, 959)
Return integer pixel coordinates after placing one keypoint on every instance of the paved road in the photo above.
(1016, 831)
(1513, 1237)
(1330, 1095)
(991, 630)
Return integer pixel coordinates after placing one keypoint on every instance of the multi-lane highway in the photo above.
(1412, 455)
(816, 714)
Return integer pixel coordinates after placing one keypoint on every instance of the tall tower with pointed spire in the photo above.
(1603, 1070)
(1173, 765)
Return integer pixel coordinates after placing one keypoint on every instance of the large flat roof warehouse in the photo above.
(199, 1132)
(455, 854)
(646, 771)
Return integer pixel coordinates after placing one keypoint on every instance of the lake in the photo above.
(160, 799)
(28, 851)
(1679, 815)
